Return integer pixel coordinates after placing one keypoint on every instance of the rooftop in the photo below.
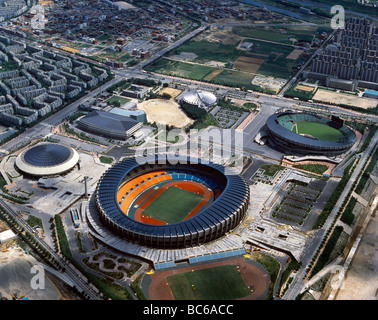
(109, 121)
(47, 155)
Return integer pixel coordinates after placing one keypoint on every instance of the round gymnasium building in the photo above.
(175, 203)
(47, 159)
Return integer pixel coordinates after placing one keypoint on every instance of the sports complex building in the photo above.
(47, 159)
(109, 124)
(199, 98)
(176, 203)
(309, 134)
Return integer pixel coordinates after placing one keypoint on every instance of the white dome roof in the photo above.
(199, 98)
(207, 97)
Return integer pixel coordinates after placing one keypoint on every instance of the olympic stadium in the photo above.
(47, 159)
(178, 204)
(309, 134)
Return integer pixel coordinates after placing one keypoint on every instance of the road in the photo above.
(298, 285)
(293, 79)
(69, 270)
(269, 105)
(171, 47)
(44, 127)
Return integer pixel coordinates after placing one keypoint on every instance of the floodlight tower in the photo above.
(86, 187)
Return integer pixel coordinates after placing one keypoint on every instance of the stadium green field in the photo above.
(317, 130)
(218, 283)
(173, 205)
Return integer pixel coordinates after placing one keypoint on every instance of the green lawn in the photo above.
(271, 169)
(318, 130)
(173, 205)
(219, 283)
(180, 69)
(276, 34)
(208, 51)
(121, 100)
(274, 56)
(316, 168)
(234, 78)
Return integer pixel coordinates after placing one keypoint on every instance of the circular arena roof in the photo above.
(47, 159)
(199, 98)
(212, 222)
(280, 126)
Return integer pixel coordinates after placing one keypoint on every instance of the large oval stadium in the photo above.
(175, 203)
(309, 134)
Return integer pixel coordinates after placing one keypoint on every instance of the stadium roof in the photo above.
(199, 98)
(108, 123)
(127, 113)
(223, 213)
(46, 155)
(274, 126)
(47, 159)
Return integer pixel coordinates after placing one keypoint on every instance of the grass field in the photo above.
(173, 205)
(208, 51)
(180, 69)
(276, 34)
(219, 283)
(121, 100)
(317, 130)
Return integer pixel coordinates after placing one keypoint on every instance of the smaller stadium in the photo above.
(309, 134)
(47, 159)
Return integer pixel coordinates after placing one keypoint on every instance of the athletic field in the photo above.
(218, 283)
(173, 205)
(317, 130)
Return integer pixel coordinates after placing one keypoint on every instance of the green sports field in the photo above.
(173, 205)
(218, 283)
(317, 130)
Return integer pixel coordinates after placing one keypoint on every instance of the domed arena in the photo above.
(201, 99)
(178, 204)
(309, 134)
(47, 159)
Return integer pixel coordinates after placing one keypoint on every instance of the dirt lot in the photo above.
(248, 64)
(343, 98)
(269, 82)
(165, 111)
(224, 36)
(172, 92)
(16, 276)
(294, 54)
(304, 88)
(212, 75)
(361, 282)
